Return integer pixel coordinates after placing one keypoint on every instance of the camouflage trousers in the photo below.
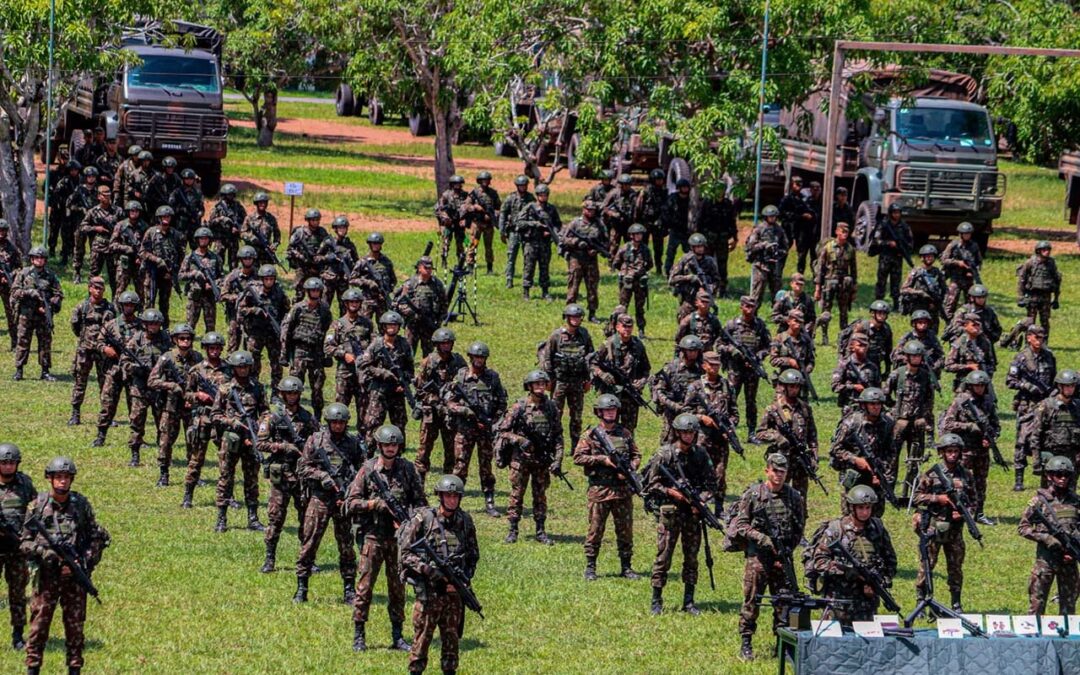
(277, 509)
(639, 291)
(621, 510)
(374, 554)
(676, 241)
(80, 250)
(757, 578)
(234, 335)
(796, 475)
(1042, 579)
(198, 440)
(99, 260)
(464, 444)
(952, 542)
(719, 453)
(115, 384)
(124, 277)
(537, 253)
(656, 236)
(486, 234)
(589, 272)
(513, 245)
(572, 394)
(9, 313)
(747, 383)
(201, 304)
(862, 607)
(17, 576)
(977, 461)
(616, 236)
(317, 518)
(256, 344)
(169, 430)
(1025, 412)
(841, 293)
(445, 612)
(419, 334)
(448, 234)
(952, 295)
(762, 277)
(432, 427)
(230, 453)
(913, 433)
(521, 473)
(670, 527)
(307, 366)
(685, 309)
(227, 247)
(382, 404)
(164, 296)
(347, 392)
(141, 405)
(628, 413)
(27, 327)
(890, 270)
(52, 590)
(85, 361)
(1039, 308)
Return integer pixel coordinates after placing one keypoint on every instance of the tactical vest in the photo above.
(1064, 430)
(1041, 278)
(308, 327)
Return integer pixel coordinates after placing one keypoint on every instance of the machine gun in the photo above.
(871, 577)
(928, 602)
(622, 463)
(708, 518)
(1045, 514)
(984, 424)
(80, 570)
(959, 500)
(798, 451)
(858, 440)
(723, 429)
(624, 384)
(592, 246)
(250, 424)
(748, 356)
(215, 290)
(41, 287)
(1044, 390)
(455, 576)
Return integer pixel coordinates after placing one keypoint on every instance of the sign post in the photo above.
(292, 191)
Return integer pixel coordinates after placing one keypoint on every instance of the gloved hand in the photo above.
(328, 484)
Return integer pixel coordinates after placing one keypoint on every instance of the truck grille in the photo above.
(177, 124)
(952, 182)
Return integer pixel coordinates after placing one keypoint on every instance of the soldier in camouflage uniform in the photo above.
(1031, 374)
(81, 200)
(610, 491)
(475, 401)
(712, 400)
(797, 218)
(422, 302)
(670, 384)
(65, 516)
(536, 224)
(627, 355)
(750, 332)
(108, 162)
(482, 213)
(785, 301)
(961, 261)
(701, 322)
(143, 349)
(283, 431)
(583, 241)
(202, 271)
(36, 294)
(132, 179)
(511, 211)
(1056, 426)
(530, 441)
(866, 431)
(436, 371)
(10, 262)
(791, 409)
(877, 330)
(890, 254)
(260, 230)
(599, 192)
(647, 211)
(261, 306)
(123, 249)
(450, 212)
(564, 357)
(16, 494)
(675, 215)
(793, 348)
(1038, 285)
(345, 343)
(302, 334)
(991, 325)
(854, 373)
(97, 228)
(377, 530)
(374, 276)
(910, 390)
(187, 203)
(87, 322)
(920, 332)
(633, 262)
(169, 378)
(341, 255)
(694, 271)
(969, 352)
(224, 221)
(328, 463)
(768, 522)
(1059, 504)
(386, 397)
(939, 519)
(161, 251)
(163, 184)
(233, 288)
(204, 380)
(867, 540)
(450, 531)
(303, 250)
(674, 517)
(617, 213)
(62, 225)
(836, 279)
(766, 249)
(924, 288)
(958, 419)
(238, 438)
(718, 222)
(113, 336)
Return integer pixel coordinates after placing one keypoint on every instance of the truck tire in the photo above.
(678, 169)
(865, 218)
(210, 178)
(982, 237)
(344, 101)
(376, 115)
(576, 170)
(504, 149)
(419, 124)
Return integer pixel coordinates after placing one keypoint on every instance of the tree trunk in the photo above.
(444, 144)
(18, 177)
(269, 119)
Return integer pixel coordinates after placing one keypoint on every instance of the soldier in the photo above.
(924, 288)
(675, 216)
(124, 246)
(87, 322)
(374, 276)
(449, 531)
(633, 262)
(793, 349)
(970, 352)
(939, 519)
(694, 271)
(162, 184)
(303, 250)
(238, 438)
(810, 231)
(991, 325)
(261, 306)
(627, 355)
(854, 374)
(889, 245)
(509, 214)
(186, 202)
(769, 519)
(65, 517)
(204, 380)
(920, 332)
(387, 363)
(718, 222)
(790, 411)
(234, 287)
(961, 261)
(436, 371)
(37, 295)
(1038, 285)
(378, 527)
(475, 401)
(481, 210)
(1031, 374)
(1056, 427)
(565, 357)
(797, 219)
(345, 343)
(617, 212)
(108, 162)
(327, 465)
(450, 212)
(786, 301)
(599, 192)
(142, 350)
(750, 333)
(841, 210)
(283, 431)
(711, 399)
(701, 322)
(10, 261)
(910, 390)
(133, 177)
(877, 331)
(202, 269)
(113, 339)
(862, 437)
(79, 203)
(302, 334)
(865, 538)
(422, 302)
(610, 490)
(62, 184)
(530, 442)
(766, 250)
(648, 211)
(224, 221)
(583, 241)
(97, 228)
(675, 518)
(670, 384)
(93, 146)
(161, 252)
(977, 435)
(538, 224)
(169, 378)
(16, 494)
(260, 230)
(1058, 504)
(341, 255)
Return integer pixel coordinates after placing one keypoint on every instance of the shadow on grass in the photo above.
(57, 644)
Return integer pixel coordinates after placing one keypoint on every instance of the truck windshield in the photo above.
(174, 72)
(927, 126)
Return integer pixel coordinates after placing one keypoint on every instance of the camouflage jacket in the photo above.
(966, 351)
(327, 464)
(754, 336)
(605, 483)
(849, 375)
(88, 320)
(799, 416)
(170, 375)
(630, 358)
(537, 220)
(1056, 428)
(198, 285)
(1040, 367)
(453, 537)
(304, 328)
(278, 445)
(785, 347)
(1038, 276)
(117, 331)
(422, 302)
(957, 419)
(617, 209)
(198, 376)
(879, 339)
(450, 209)
(693, 465)
(935, 353)
(650, 204)
(70, 522)
(225, 220)
(263, 225)
(991, 325)
(924, 288)
(188, 205)
(785, 302)
(488, 399)
(530, 433)
(375, 363)
(159, 188)
(348, 336)
(911, 394)
(583, 238)
(705, 327)
(145, 350)
(835, 264)
(564, 356)
(482, 206)
(32, 287)
(703, 396)
(765, 245)
(16, 496)
(511, 209)
(880, 245)
(254, 303)
(97, 219)
(163, 248)
(684, 280)
(958, 254)
(929, 487)
(1066, 509)
(871, 545)
(633, 264)
(762, 516)
(435, 373)
(224, 414)
(125, 242)
(233, 286)
(303, 250)
(670, 385)
(405, 486)
(844, 449)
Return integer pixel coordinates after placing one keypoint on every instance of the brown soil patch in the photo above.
(336, 131)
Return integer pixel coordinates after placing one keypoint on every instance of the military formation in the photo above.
(341, 464)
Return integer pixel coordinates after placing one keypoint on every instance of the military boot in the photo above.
(509, 282)
(163, 477)
(17, 642)
(1019, 485)
(541, 534)
(954, 598)
(46, 376)
(593, 319)
(688, 605)
(657, 601)
(590, 568)
(489, 504)
(301, 590)
(490, 271)
(75, 419)
(33, 670)
(134, 456)
(18, 376)
(222, 515)
(99, 440)
(546, 296)
(359, 640)
(525, 292)
(77, 279)
(271, 558)
(627, 571)
(253, 519)
(512, 533)
(397, 641)
(984, 519)
(746, 653)
(189, 494)
(74, 670)
(348, 593)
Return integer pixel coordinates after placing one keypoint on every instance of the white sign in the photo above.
(294, 189)
(1025, 624)
(950, 629)
(976, 619)
(998, 623)
(868, 629)
(827, 628)
(1051, 624)
(1074, 624)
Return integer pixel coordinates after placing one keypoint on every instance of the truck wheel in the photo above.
(375, 114)
(419, 124)
(344, 101)
(865, 219)
(504, 149)
(982, 237)
(575, 169)
(678, 169)
(210, 178)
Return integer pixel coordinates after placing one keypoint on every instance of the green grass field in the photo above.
(180, 598)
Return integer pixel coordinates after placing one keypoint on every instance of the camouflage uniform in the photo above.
(617, 213)
(148, 348)
(482, 211)
(534, 226)
(1041, 367)
(766, 249)
(16, 496)
(435, 373)
(200, 295)
(564, 358)
(599, 192)
(837, 278)
(718, 222)
(965, 351)
(187, 204)
(708, 398)
(348, 337)
(302, 254)
(648, 209)
(225, 220)
(263, 226)
(890, 267)
(912, 398)
(784, 347)
(97, 219)
(674, 519)
(29, 290)
(1050, 562)
(10, 262)
(383, 401)
(282, 452)
(786, 301)
(169, 376)
(302, 334)
(755, 337)
(877, 434)
(935, 353)
(924, 288)
(509, 215)
(991, 324)
(879, 341)
(115, 333)
(685, 283)
(341, 255)
(202, 424)
(706, 326)
(486, 389)
(253, 305)
(1055, 430)
(160, 188)
(132, 180)
(975, 458)
(107, 164)
(450, 212)
(234, 431)
(81, 200)
(326, 467)
(632, 360)
(531, 443)
(161, 253)
(581, 240)
(871, 545)
(1039, 282)
(423, 305)
(376, 280)
(123, 251)
(87, 322)
(851, 374)
(669, 389)
(608, 494)
(944, 531)
(800, 417)
(961, 279)
(233, 287)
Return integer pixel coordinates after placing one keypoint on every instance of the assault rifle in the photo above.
(858, 440)
(1044, 390)
(622, 463)
(799, 451)
(883, 222)
(1045, 514)
(395, 370)
(723, 428)
(42, 286)
(590, 245)
(397, 510)
(691, 496)
(748, 356)
(264, 246)
(215, 290)
(984, 424)
(959, 500)
(267, 311)
(514, 422)
(80, 571)
(455, 576)
(871, 577)
(624, 384)
(250, 424)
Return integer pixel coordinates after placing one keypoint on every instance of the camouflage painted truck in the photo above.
(1069, 171)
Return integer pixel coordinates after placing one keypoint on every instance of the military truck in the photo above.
(931, 150)
(1069, 171)
(167, 101)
